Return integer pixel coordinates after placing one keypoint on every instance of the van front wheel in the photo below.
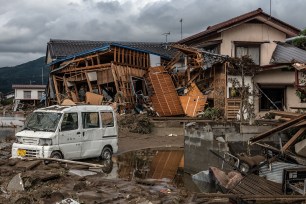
(56, 155)
(106, 153)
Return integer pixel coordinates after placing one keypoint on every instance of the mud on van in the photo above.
(69, 132)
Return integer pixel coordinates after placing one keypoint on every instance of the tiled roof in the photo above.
(237, 20)
(286, 53)
(28, 86)
(63, 48)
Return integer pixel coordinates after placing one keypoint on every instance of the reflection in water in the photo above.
(157, 165)
(9, 125)
(7, 132)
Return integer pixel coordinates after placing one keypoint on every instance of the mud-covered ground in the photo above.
(37, 182)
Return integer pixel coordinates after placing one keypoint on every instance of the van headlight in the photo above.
(45, 142)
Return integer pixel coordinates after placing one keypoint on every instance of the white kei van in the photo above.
(68, 132)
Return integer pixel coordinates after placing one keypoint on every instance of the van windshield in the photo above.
(42, 121)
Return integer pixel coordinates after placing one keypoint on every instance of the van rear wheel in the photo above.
(56, 155)
(106, 153)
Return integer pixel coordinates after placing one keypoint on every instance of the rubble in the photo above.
(16, 183)
(136, 123)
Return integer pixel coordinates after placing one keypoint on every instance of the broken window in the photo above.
(27, 94)
(253, 51)
(272, 98)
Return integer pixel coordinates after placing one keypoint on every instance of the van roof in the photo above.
(57, 108)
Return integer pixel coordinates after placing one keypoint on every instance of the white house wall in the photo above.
(19, 94)
(252, 33)
(247, 82)
(283, 78)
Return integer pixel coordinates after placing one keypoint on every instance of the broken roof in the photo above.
(63, 48)
(253, 15)
(285, 53)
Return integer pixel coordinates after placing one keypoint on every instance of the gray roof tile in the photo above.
(63, 48)
(286, 53)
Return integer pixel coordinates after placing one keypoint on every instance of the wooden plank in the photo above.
(113, 67)
(286, 114)
(277, 129)
(293, 138)
(66, 87)
(88, 82)
(56, 90)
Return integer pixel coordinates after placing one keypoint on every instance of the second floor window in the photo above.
(27, 94)
(253, 51)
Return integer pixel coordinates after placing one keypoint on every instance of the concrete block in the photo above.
(81, 173)
(16, 183)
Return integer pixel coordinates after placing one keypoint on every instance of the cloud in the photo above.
(27, 25)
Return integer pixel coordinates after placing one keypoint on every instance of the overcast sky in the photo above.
(27, 25)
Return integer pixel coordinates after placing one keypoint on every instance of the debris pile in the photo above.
(26, 181)
(136, 123)
(277, 174)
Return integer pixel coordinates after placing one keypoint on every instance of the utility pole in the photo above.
(270, 8)
(181, 28)
(166, 34)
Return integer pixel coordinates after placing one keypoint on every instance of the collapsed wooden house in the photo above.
(105, 68)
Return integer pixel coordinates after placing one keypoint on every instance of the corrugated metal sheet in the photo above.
(255, 185)
(286, 53)
(276, 172)
(164, 97)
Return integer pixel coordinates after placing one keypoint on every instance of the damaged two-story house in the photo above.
(257, 35)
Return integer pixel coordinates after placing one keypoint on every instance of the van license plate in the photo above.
(21, 152)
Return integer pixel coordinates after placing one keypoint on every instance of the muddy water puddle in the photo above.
(150, 166)
(10, 124)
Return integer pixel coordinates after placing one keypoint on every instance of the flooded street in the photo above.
(144, 175)
(150, 166)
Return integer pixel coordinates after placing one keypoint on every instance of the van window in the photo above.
(70, 122)
(43, 121)
(90, 120)
(107, 119)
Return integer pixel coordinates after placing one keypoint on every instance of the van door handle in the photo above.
(78, 133)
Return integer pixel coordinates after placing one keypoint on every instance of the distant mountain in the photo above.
(29, 72)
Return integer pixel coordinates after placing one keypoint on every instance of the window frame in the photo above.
(40, 94)
(77, 122)
(28, 92)
(83, 120)
(249, 45)
(113, 119)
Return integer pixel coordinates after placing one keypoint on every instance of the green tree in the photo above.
(300, 41)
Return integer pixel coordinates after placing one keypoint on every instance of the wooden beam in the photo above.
(99, 66)
(277, 129)
(115, 54)
(293, 138)
(76, 92)
(57, 94)
(88, 82)
(113, 67)
(286, 114)
(66, 87)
